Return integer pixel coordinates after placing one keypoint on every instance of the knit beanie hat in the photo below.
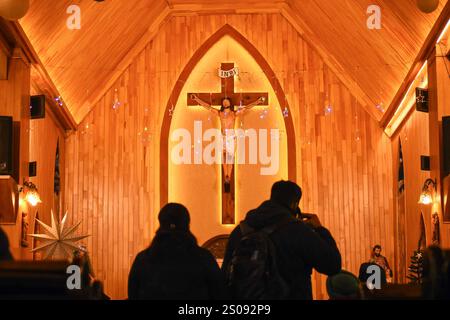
(174, 216)
(343, 285)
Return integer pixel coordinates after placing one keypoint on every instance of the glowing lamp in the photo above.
(31, 194)
(14, 9)
(426, 197)
(427, 6)
(33, 198)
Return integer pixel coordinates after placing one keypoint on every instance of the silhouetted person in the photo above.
(300, 245)
(5, 254)
(343, 286)
(174, 267)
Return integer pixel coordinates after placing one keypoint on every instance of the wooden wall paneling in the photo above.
(225, 30)
(414, 137)
(14, 102)
(3, 64)
(130, 26)
(64, 52)
(341, 177)
(39, 76)
(425, 51)
(439, 106)
(44, 136)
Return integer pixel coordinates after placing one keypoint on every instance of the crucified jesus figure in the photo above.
(228, 115)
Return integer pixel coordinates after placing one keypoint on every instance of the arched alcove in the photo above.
(226, 30)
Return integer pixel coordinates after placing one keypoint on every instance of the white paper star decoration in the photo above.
(59, 242)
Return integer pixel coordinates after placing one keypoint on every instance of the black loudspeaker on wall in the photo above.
(425, 163)
(37, 107)
(6, 146)
(446, 143)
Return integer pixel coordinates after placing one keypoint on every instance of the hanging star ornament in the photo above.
(59, 242)
(420, 98)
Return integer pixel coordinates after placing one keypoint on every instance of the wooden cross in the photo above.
(238, 99)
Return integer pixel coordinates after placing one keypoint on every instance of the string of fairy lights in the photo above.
(243, 80)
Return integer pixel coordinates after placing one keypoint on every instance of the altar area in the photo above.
(111, 109)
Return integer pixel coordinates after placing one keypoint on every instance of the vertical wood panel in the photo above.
(14, 102)
(415, 142)
(346, 182)
(44, 136)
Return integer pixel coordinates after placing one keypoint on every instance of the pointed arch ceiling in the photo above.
(84, 63)
(226, 30)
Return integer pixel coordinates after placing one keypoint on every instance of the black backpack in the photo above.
(253, 272)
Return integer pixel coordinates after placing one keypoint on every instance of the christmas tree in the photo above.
(416, 267)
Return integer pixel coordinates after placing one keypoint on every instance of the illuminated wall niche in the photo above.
(198, 185)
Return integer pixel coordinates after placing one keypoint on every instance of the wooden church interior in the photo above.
(363, 115)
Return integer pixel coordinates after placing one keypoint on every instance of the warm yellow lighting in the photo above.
(199, 187)
(408, 101)
(31, 194)
(412, 84)
(444, 32)
(426, 197)
(33, 198)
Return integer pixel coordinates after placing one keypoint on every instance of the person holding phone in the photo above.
(301, 242)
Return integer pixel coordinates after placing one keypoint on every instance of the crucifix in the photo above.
(228, 115)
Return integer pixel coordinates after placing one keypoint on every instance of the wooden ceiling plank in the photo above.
(47, 85)
(83, 65)
(304, 30)
(422, 56)
(165, 15)
(123, 65)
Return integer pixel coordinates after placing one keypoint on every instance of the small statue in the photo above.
(380, 260)
(436, 240)
(24, 241)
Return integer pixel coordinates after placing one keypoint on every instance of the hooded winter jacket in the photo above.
(299, 248)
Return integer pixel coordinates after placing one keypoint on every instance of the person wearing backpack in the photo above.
(271, 254)
(174, 267)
